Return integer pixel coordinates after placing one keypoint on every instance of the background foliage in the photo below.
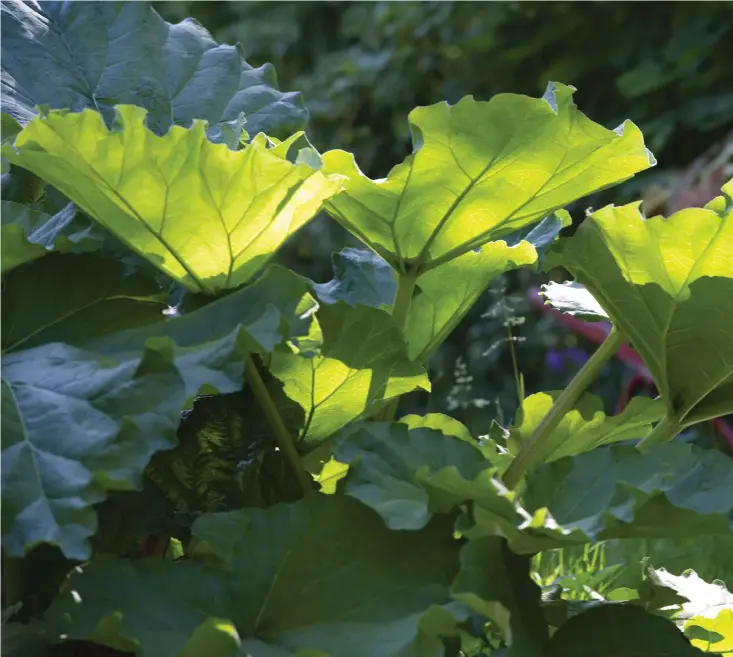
(362, 66)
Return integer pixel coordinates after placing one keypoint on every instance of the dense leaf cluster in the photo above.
(207, 442)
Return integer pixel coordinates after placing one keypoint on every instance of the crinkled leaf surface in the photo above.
(207, 216)
(446, 294)
(76, 298)
(585, 427)
(76, 55)
(480, 171)
(362, 364)
(667, 284)
(77, 422)
(611, 492)
(360, 277)
(675, 489)
(619, 631)
(73, 425)
(323, 574)
(574, 299)
(408, 475)
(496, 583)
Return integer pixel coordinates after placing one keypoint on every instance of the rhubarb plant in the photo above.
(202, 450)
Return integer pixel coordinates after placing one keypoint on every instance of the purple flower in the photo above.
(554, 361)
(557, 360)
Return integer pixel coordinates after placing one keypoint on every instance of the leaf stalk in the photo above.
(282, 435)
(665, 431)
(530, 451)
(403, 299)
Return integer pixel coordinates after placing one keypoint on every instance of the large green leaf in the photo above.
(323, 574)
(73, 425)
(207, 216)
(78, 422)
(675, 489)
(583, 428)
(496, 583)
(362, 364)
(667, 284)
(76, 298)
(85, 54)
(480, 171)
(408, 475)
(619, 631)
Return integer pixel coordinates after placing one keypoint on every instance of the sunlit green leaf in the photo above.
(712, 635)
(362, 364)
(207, 216)
(447, 293)
(324, 574)
(667, 284)
(583, 428)
(97, 55)
(480, 171)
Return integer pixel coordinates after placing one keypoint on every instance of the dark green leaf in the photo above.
(496, 583)
(323, 574)
(619, 631)
(96, 55)
(76, 299)
(615, 492)
(360, 277)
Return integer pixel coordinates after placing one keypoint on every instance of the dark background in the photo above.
(362, 67)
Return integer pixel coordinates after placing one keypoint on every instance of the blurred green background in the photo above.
(362, 66)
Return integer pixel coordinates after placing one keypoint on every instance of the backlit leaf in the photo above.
(667, 284)
(480, 171)
(207, 216)
(362, 364)
(585, 427)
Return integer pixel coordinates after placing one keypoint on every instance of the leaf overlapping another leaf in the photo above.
(322, 574)
(667, 284)
(585, 427)
(77, 55)
(207, 216)
(79, 422)
(480, 171)
(408, 475)
(362, 364)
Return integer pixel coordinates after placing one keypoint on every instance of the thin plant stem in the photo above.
(401, 310)
(515, 366)
(532, 449)
(282, 435)
(665, 431)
